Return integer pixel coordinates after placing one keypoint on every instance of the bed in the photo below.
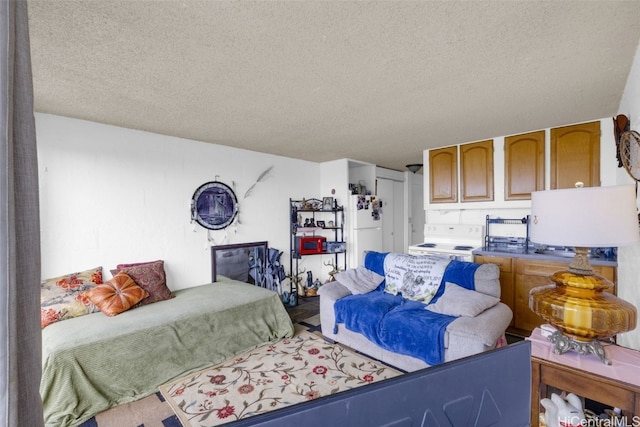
(94, 362)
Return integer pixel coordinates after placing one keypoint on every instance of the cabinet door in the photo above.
(524, 165)
(529, 275)
(476, 168)
(443, 175)
(575, 155)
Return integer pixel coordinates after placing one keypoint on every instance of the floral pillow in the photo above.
(116, 295)
(150, 276)
(61, 297)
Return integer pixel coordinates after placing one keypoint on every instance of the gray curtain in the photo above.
(20, 339)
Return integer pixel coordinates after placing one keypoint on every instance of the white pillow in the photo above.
(458, 301)
(359, 280)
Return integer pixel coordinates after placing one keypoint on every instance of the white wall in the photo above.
(110, 195)
(628, 257)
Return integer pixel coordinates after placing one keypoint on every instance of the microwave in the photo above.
(307, 245)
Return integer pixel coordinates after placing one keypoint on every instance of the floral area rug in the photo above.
(287, 372)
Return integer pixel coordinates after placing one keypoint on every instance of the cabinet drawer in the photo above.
(503, 263)
(546, 269)
(539, 268)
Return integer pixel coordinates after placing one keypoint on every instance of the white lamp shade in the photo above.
(585, 217)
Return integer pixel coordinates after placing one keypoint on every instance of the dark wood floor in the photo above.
(307, 307)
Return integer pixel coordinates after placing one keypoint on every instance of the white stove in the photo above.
(453, 240)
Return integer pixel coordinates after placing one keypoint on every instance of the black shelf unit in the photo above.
(493, 242)
(316, 210)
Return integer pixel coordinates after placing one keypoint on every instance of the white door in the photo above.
(391, 193)
(417, 210)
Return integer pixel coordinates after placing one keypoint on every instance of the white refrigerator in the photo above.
(365, 227)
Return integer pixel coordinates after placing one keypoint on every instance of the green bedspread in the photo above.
(94, 362)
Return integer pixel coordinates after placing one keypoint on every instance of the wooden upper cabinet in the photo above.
(575, 155)
(443, 175)
(524, 165)
(476, 169)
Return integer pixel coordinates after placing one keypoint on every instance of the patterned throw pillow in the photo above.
(61, 297)
(150, 276)
(116, 295)
(417, 278)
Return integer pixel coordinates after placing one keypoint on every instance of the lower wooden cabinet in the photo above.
(519, 275)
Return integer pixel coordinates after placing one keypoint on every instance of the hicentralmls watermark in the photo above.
(622, 421)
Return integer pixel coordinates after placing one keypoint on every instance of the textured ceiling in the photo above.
(320, 80)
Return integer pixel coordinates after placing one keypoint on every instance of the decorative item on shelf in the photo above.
(362, 188)
(334, 270)
(359, 188)
(297, 284)
(333, 247)
(577, 304)
(309, 279)
(327, 203)
(320, 224)
(563, 412)
(311, 290)
(414, 167)
(312, 204)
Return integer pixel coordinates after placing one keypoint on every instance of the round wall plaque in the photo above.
(214, 205)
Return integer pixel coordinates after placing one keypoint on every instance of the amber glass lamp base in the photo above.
(578, 306)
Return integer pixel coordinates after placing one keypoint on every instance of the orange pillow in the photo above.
(116, 295)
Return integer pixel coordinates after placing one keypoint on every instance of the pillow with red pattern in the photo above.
(117, 295)
(61, 297)
(150, 276)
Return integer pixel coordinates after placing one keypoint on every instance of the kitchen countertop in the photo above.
(558, 256)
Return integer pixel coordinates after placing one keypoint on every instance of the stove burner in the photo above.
(427, 245)
(463, 248)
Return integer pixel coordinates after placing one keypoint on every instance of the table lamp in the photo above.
(577, 304)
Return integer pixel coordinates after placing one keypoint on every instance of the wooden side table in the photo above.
(617, 385)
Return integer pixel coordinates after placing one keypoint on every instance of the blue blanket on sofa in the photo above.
(397, 324)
